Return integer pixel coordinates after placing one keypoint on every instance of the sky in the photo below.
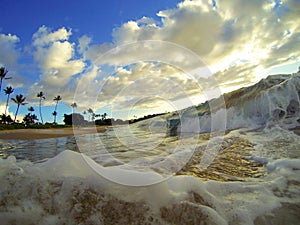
(130, 58)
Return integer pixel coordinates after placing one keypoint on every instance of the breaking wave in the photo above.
(253, 179)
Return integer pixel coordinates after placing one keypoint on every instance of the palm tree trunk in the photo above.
(40, 108)
(16, 113)
(6, 104)
(55, 111)
(0, 84)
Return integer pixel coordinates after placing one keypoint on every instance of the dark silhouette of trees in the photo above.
(42, 97)
(91, 112)
(31, 109)
(103, 116)
(30, 118)
(74, 106)
(5, 119)
(8, 90)
(56, 99)
(74, 119)
(146, 117)
(84, 113)
(3, 73)
(19, 100)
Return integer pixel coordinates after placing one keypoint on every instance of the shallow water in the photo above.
(113, 147)
(254, 175)
(36, 150)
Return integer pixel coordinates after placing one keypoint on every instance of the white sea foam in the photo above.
(66, 189)
(277, 104)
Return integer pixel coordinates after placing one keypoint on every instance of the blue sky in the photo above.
(91, 17)
(54, 47)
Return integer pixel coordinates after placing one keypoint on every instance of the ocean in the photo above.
(238, 165)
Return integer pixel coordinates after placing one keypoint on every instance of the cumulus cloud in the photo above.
(236, 39)
(10, 113)
(143, 85)
(9, 55)
(55, 56)
(191, 50)
(8, 50)
(44, 36)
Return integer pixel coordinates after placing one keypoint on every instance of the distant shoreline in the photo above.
(31, 134)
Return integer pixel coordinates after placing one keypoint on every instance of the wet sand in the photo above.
(27, 134)
(232, 163)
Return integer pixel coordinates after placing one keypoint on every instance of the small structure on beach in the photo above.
(74, 119)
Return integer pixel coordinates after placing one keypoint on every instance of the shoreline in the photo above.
(31, 134)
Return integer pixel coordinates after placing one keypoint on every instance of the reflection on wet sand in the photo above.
(232, 163)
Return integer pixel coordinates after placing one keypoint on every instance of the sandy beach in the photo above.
(48, 133)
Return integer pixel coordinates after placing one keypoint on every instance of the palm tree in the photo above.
(31, 109)
(8, 90)
(20, 100)
(5, 119)
(74, 105)
(104, 116)
(57, 99)
(91, 112)
(41, 96)
(30, 118)
(54, 114)
(84, 113)
(3, 73)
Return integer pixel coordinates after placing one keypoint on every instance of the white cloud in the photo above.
(146, 85)
(8, 50)
(236, 39)
(44, 36)
(164, 60)
(12, 114)
(84, 43)
(9, 55)
(234, 31)
(55, 56)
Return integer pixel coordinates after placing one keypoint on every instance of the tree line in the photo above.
(30, 117)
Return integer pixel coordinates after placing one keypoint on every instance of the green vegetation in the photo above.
(31, 120)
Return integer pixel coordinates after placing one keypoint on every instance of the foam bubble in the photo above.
(66, 189)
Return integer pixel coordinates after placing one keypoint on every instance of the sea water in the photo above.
(141, 175)
(36, 149)
(67, 190)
